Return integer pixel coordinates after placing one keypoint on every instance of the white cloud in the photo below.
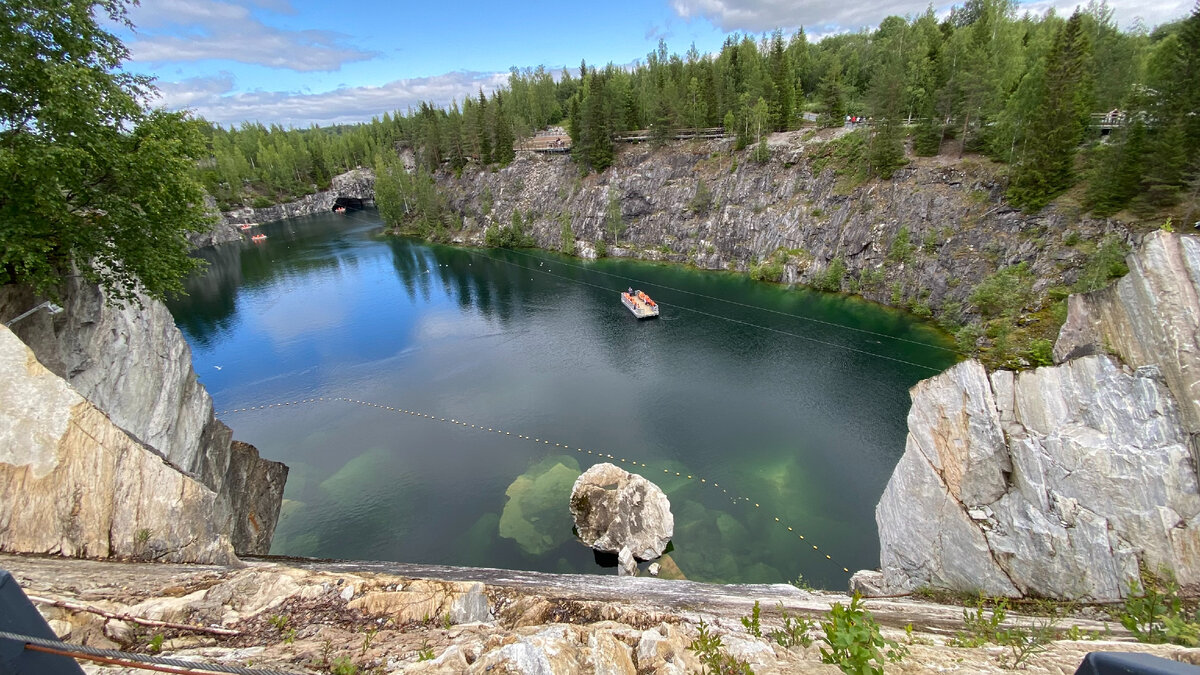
(832, 16)
(1151, 12)
(214, 99)
(170, 31)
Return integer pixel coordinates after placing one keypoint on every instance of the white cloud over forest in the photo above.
(214, 99)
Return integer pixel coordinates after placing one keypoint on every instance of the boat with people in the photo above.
(639, 303)
(246, 226)
(258, 237)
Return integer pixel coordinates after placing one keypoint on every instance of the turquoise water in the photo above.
(788, 404)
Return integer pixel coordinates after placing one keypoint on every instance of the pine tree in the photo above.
(484, 131)
(503, 153)
(1057, 123)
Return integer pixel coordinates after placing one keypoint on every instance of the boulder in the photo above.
(614, 510)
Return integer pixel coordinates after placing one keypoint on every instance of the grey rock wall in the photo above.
(1062, 480)
(959, 227)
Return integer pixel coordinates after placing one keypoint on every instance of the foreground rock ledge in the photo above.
(298, 616)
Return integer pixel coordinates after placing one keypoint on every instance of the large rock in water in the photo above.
(615, 510)
(133, 364)
(1061, 481)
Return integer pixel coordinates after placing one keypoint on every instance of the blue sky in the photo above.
(297, 62)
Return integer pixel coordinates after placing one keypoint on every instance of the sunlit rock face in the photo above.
(76, 484)
(620, 512)
(134, 366)
(1060, 481)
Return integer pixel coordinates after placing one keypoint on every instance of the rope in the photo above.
(144, 661)
(599, 454)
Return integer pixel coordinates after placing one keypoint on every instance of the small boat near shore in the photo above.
(259, 237)
(639, 304)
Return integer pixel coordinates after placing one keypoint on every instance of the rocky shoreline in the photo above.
(391, 617)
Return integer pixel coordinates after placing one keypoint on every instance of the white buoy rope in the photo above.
(538, 441)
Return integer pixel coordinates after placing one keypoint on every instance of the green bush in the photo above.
(1105, 264)
(831, 279)
(566, 235)
(1005, 292)
(855, 642)
(702, 198)
(709, 649)
(902, 247)
(1154, 613)
(768, 270)
(261, 202)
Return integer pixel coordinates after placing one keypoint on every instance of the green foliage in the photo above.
(795, 630)
(1102, 266)
(752, 623)
(983, 625)
(614, 224)
(831, 279)
(1154, 612)
(409, 201)
(601, 248)
(510, 236)
(902, 248)
(855, 642)
(425, 653)
(342, 665)
(1005, 292)
(1041, 352)
(709, 650)
(702, 198)
(846, 157)
(1061, 95)
(566, 235)
(278, 621)
(770, 269)
(91, 179)
(155, 643)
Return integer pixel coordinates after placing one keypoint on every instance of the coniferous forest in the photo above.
(1023, 90)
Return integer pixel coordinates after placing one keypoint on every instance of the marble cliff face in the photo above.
(1062, 480)
(160, 464)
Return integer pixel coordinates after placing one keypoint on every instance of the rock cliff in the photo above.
(134, 365)
(924, 238)
(76, 484)
(1060, 481)
(359, 183)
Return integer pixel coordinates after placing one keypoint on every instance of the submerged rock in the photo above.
(615, 510)
(533, 514)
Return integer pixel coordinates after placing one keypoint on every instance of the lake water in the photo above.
(765, 413)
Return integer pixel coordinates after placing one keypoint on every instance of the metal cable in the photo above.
(85, 651)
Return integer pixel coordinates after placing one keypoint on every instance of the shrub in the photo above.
(831, 279)
(1106, 264)
(1005, 292)
(902, 247)
(566, 236)
(702, 198)
(855, 641)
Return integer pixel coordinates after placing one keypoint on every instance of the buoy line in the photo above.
(599, 454)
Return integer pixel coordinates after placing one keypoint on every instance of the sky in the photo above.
(303, 62)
